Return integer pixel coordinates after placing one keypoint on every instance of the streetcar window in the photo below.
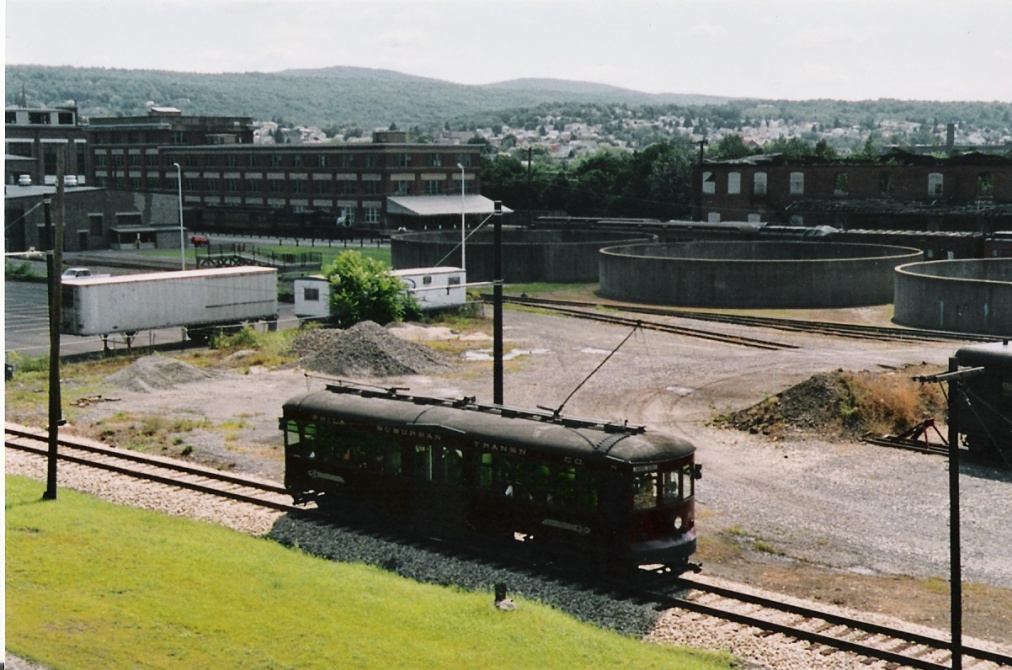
(671, 485)
(438, 463)
(645, 490)
(537, 481)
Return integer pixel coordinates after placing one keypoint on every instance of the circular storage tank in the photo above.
(967, 296)
(753, 274)
(527, 255)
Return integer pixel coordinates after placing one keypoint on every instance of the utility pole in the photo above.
(497, 344)
(955, 378)
(54, 263)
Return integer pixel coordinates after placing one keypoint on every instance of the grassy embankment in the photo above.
(91, 584)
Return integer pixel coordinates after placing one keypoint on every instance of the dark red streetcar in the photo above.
(607, 494)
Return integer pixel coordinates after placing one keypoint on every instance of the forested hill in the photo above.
(334, 96)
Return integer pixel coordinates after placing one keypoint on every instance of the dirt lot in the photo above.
(798, 511)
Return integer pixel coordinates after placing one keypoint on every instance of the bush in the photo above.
(364, 289)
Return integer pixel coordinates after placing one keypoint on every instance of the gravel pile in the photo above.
(157, 373)
(365, 349)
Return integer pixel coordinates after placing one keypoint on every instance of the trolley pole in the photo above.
(497, 344)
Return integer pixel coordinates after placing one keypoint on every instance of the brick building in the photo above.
(33, 140)
(94, 218)
(899, 190)
(386, 184)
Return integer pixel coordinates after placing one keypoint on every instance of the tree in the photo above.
(364, 289)
(729, 146)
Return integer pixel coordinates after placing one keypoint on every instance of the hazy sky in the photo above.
(794, 49)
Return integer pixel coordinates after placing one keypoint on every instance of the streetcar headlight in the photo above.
(678, 523)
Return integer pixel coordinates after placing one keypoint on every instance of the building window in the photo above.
(841, 183)
(310, 294)
(253, 160)
(322, 160)
(190, 161)
(211, 184)
(100, 160)
(275, 186)
(759, 183)
(231, 160)
(299, 186)
(985, 185)
(370, 160)
(135, 160)
(433, 187)
(178, 137)
(38, 118)
(402, 187)
(935, 184)
(403, 160)
(321, 187)
(464, 159)
(372, 215)
(276, 160)
(231, 186)
(11, 117)
(435, 160)
(346, 187)
(253, 185)
(66, 118)
(709, 184)
(296, 160)
(151, 160)
(346, 160)
(733, 183)
(797, 183)
(371, 187)
(210, 160)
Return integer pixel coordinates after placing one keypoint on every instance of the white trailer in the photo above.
(434, 288)
(312, 297)
(199, 300)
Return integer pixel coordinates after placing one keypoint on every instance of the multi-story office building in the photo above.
(34, 140)
(388, 183)
(899, 190)
(230, 183)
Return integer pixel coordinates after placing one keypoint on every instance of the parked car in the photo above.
(77, 273)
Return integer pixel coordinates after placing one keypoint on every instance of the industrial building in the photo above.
(896, 191)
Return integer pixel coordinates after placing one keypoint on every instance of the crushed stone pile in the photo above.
(155, 373)
(365, 349)
(843, 404)
(814, 404)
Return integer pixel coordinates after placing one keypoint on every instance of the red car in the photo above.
(200, 240)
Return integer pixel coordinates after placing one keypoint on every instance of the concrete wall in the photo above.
(527, 255)
(969, 296)
(753, 274)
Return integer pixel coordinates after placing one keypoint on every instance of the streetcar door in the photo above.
(437, 487)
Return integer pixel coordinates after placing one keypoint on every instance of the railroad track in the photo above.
(853, 331)
(594, 313)
(828, 630)
(155, 469)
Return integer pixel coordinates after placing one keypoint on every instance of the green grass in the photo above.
(90, 584)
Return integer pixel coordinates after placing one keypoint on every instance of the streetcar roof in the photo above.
(486, 426)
